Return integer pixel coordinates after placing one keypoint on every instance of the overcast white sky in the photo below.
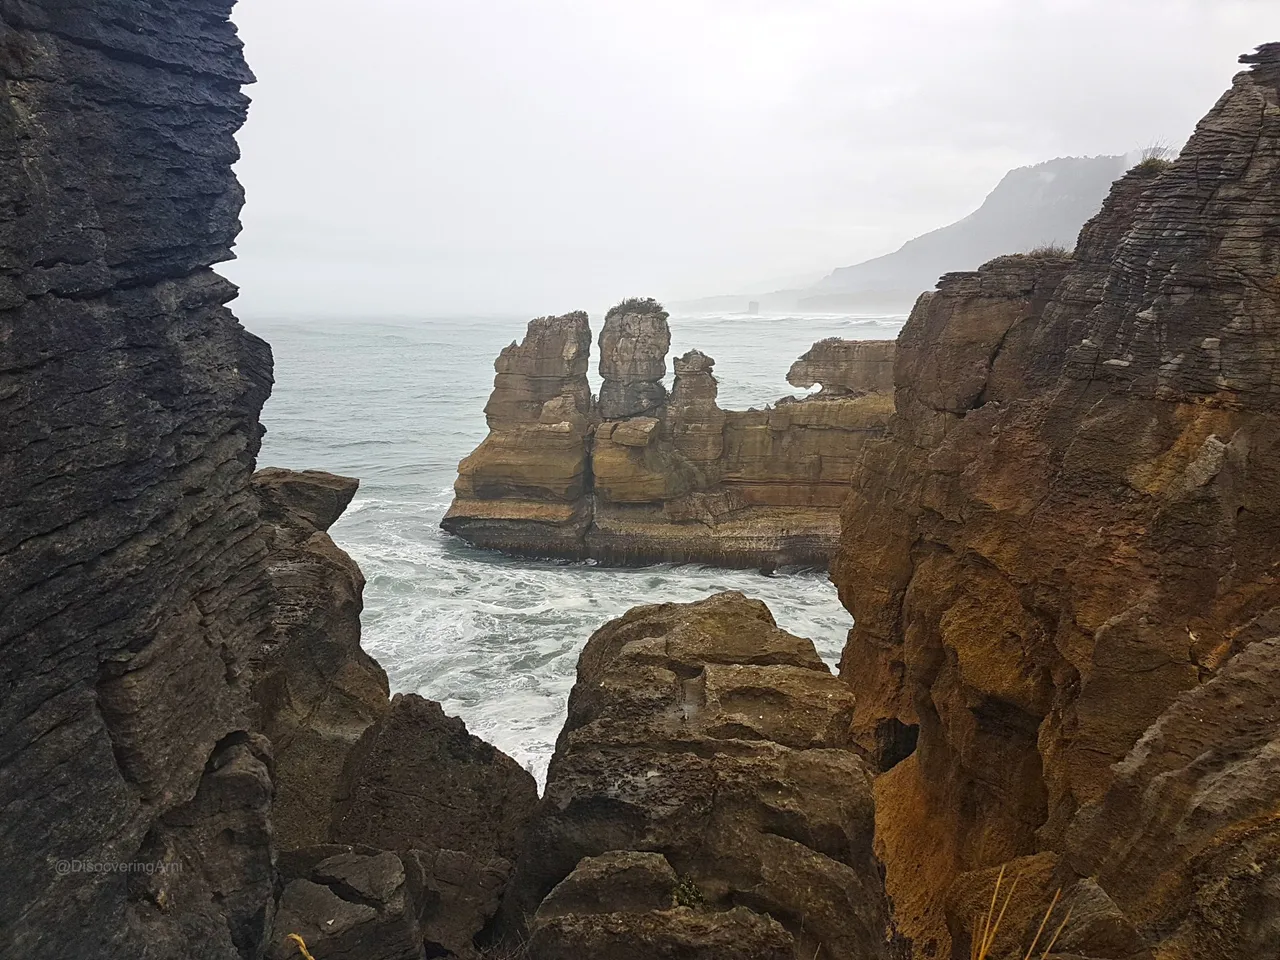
(492, 156)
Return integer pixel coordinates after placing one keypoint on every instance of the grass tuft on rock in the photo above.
(985, 930)
(638, 305)
(687, 893)
(1049, 251)
(1155, 158)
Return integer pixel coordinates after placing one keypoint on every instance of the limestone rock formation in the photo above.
(418, 780)
(643, 477)
(845, 368)
(354, 903)
(525, 487)
(315, 687)
(704, 734)
(633, 359)
(182, 677)
(1063, 554)
(132, 590)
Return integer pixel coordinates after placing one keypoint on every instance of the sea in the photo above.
(397, 403)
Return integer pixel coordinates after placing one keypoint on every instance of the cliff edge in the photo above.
(1061, 565)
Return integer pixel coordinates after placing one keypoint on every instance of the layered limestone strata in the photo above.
(705, 800)
(133, 592)
(183, 684)
(1061, 564)
(639, 476)
(633, 359)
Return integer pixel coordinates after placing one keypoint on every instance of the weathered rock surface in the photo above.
(1061, 556)
(181, 673)
(525, 488)
(315, 687)
(703, 733)
(418, 780)
(633, 359)
(349, 904)
(644, 477)
(844, 368)
(132, 586)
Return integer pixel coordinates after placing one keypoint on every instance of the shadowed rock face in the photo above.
(315, 687)
(132, 585)
(640, 476)
(703, 742)
(162, 608)
(1064, 553)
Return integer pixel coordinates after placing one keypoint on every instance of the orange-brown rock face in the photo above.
(524, 488)
(845, 368)
(1058, 558)
(642, 476)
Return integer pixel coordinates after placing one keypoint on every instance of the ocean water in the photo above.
(496, 639)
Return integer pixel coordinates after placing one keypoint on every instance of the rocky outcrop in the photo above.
(525, 488)
(646, 477)
(315, 688)
(349, 904)
(418, 780)
(633, 359)
(391, 820)
(132, 585)
(845, 368)
(182, 677)
(1062, 554)
(705, 799)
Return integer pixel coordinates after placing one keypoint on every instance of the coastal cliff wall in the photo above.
(131, 560)
(185, 710)
(1061, 564)
(640, 475)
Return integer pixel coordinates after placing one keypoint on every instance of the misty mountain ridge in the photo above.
(1039, 205)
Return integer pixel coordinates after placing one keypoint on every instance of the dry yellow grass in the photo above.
(986, 930)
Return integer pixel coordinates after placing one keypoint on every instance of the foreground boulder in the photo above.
(1062, 568)
(710, 756)
(418, 780)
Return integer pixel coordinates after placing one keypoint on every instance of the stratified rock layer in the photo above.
(633, 359)
(164, 614)
(844, 368)
(316, 689)
(525, 488)
(641, 476)
(132, 588)
(1061, 564)
(705, 744)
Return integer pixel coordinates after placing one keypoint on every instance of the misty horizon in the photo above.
(508, 161)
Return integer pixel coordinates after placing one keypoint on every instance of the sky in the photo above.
(526, 157)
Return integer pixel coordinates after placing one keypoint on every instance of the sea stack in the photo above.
(633, 359)
(525, 488)
(640, 476)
